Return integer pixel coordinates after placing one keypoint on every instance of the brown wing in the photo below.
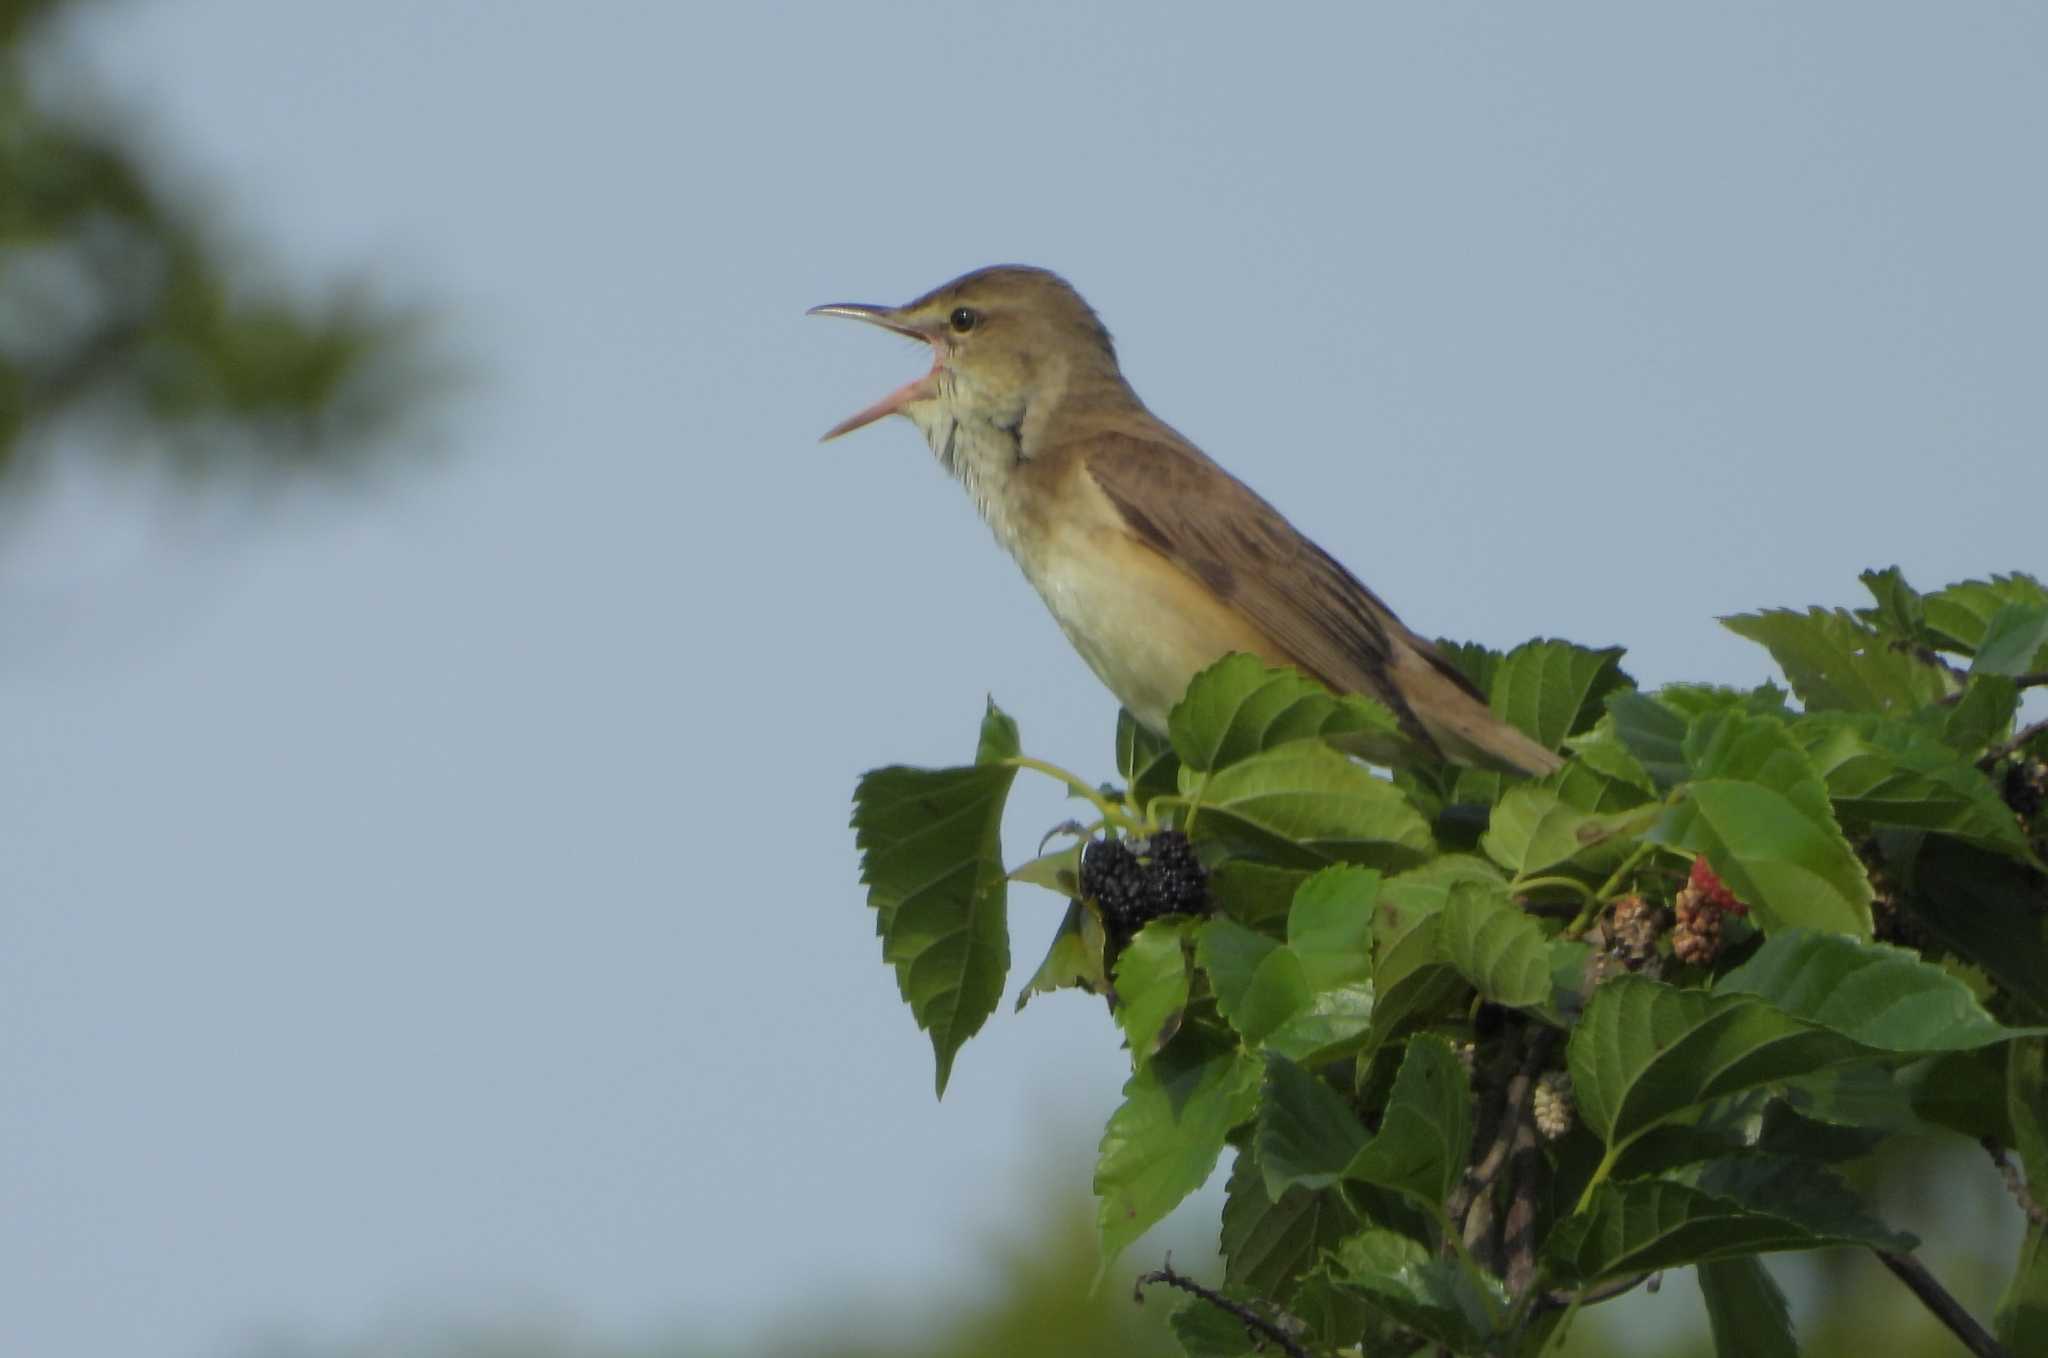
(1212, 525)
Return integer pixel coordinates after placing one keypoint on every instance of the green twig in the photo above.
(1110, 812)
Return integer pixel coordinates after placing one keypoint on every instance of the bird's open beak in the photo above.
(923, 389)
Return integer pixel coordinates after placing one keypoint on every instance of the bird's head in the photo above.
(1006, 341)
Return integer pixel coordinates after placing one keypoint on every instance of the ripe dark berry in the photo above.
(1134, 881)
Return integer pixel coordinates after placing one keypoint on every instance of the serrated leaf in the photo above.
(1073, 960)
(1306, 1132)
(2015, 641)
(1834, 661)
(1755, 1208)
(1602, 750)
(1900, 610)
(1257, 982)
(1883, 997)
(1238, 707)
(1653, 733)
(1330, 925)
(1535, 826)
(1269, 1242)
(1304, 804)
(1425, 1134)
(1746, 1310)
(1760, 813)
(1162, 1142)
(1152, 986)
(1550, 689)
(1494, 945)
(1644, 1052)
(1401, 1276)
(1476, 662)
(932, 860)
(1885, 771)
(1959, 616)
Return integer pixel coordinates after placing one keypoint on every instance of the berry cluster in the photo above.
(1635, 928)
(1698, 909)
(2026, 787)
(1551, 1104)
(1132, 881)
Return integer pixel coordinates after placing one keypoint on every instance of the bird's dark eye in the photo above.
(964, 319)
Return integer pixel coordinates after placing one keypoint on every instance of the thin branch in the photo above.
(1254, 1323)
(2033, 679)
(2008, 1171)
(1946, 1308)
(2016, 744)
(1607, 1291)
(1526, 1177)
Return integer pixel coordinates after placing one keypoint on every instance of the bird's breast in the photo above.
(1144, 626)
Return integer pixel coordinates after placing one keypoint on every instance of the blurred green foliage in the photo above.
(118, 303)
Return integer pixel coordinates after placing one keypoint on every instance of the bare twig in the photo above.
(2013, 746)
(1254, 1323)
(2033, 679)
(2014, 1185)
(1946, 1308)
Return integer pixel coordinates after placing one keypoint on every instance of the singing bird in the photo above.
(1155, 561)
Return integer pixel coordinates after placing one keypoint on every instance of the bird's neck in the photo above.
(991, 442)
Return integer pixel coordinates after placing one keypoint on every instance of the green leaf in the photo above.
(1644, 1052)
(1329, 926)
(1254, 893)
(1304, 804)
(1652, 1224)
(1885, 771)
(1834, 661)
(1987, 909)
(2015, 641)
(1058, 872)
(2022, 1317)
(1960, 616)
(998, 739)
(932, 860)
(1412, 975)
(1269, 1242)
(1206, 1331)
(1476, 662)
(1152, 986)
(1760, 813)
(1494, 945)
(1238, 707)
(1603, 751)
(1983, 716)
(1403, 1278)
(1745, 1308)
(1074, 960)
(1258, 983)
(1306, 1133)
(1536, 826)
(1425, 1134)
(1549, 689)
(1653, 733)
(1883, 997)
(1162, 1143)
(1900, 610)
(1144, 760)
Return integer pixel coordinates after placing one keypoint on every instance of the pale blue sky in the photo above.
(437, 894)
